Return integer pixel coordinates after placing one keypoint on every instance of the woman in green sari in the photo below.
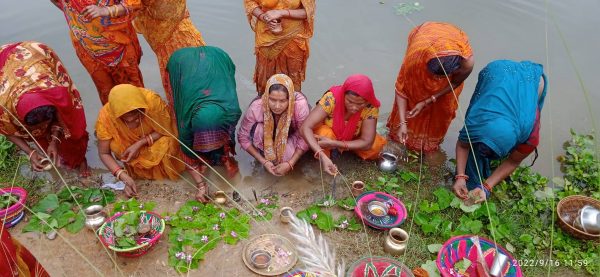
(206, 108)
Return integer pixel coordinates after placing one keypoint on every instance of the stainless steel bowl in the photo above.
(589, 219)
(377, 208)
(260, 259)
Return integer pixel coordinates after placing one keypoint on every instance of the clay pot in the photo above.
(358, 187)
(220, 197)
(285, 214)
(396, 241)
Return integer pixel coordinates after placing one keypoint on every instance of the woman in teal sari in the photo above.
(206, 108)
(502, 122)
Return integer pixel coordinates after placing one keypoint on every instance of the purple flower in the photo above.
(344, 224)
(265, 201)
(180, 255)
(222, 215)
(234, 234)
(195, 208)
(216, 227)
(167, 218)
(189, 258)
(204, 239)
(314, 216)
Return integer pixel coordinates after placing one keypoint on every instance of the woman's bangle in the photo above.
(461, 176)
(119, 174)
(265, 162)
(487, 186)
(290, 164)
(289, 13)
(317, 153)
(114, 172)
(31, 153)
(433, 99)
(53, 137)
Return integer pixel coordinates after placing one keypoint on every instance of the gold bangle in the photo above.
(119, 174)
(55, 138)
(31, 154)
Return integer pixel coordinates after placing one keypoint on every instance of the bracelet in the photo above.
(55, 138)
(317, 153)
(487, 186)
(266, 161)
(289, 14)
(461, 176)
(433, 99)
(119, 174)
(114, 172)
(31, 154)
(485, 190)
(404, 122)
(290, 164)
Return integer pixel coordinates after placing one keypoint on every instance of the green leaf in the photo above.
(325, 221)
(65, 218)
(47, 205)
(462, 265)
(434, 248)
(431, 269)
(76, 225)
(444, 197)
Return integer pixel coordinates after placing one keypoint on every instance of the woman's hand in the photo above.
(460, 189)
(325, 142)
(282, 168)
(130, 187)
(417, 109)
(272, 15)
(479, 195)
(131, 152)
(36, 161)
(403, 133)
(270, 167)
(93, 11)
(52, 151)
(328, 165)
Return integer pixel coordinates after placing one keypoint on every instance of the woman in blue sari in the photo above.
(502, 122)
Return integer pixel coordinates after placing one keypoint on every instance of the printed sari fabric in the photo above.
(32, 75)
(286, 52)
(278, 143)
(16, 260)
(107, 47)
(503, 114)
(206, 103)
(167, 27)
(335, 127)
(416, 83)
(161, 159)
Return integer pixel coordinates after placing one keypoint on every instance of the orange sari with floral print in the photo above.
(286, 52)
(107, 47)
(31, 72)
(416, 83)
(167, 27)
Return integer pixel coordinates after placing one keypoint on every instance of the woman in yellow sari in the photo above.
(136, 126)
(105, 42)
(167, 27)
(437, 61)
(282, 30)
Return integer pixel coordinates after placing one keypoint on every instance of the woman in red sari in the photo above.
(40, 103)
(16, 260)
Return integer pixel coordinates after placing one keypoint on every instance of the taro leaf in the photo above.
(34, 225)
(432, 225)
(47, 205)
(63, 208)
(431, 269)
(78, 224)
(434, 248)
(428, 207)
(325, 221)
(65, 218)
(444, 198)
(421, 218)
(469, 209)
(462, 265)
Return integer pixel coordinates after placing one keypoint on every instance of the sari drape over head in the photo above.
(158, 161)
(205, 99)
(274, 147)
(31, 76)
(416, 83)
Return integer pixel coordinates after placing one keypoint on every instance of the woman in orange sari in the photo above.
(136, 126)
(38, 101)
(167, 27)
(105, 43)
(282, 30)
(438, 59)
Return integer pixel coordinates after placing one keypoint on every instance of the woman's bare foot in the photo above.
(202, 194)
(84, 170)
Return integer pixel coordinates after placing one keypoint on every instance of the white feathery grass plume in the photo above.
(314, 251)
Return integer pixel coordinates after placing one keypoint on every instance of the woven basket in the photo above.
(567, 211)
(15, 211)
(144, 244)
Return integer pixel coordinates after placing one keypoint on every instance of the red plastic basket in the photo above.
(108, 238)
(15, 210)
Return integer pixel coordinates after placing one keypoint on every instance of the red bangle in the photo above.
(461, 176)
(487, 186)
(114, 172)
(317, 153)
(290, 164)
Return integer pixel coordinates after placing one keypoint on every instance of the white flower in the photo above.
(216, 227)
(265, 201)
(204, 239)
(222, 215)
(314, 216)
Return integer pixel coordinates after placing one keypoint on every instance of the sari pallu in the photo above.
(31, 76)
(416, 83)
(107, 47)
(167, 27)
(158, 161)
(206, 104)
(502, 113)
(286, 52)
(16, 260)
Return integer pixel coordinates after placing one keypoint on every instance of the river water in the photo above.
(360, 36)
